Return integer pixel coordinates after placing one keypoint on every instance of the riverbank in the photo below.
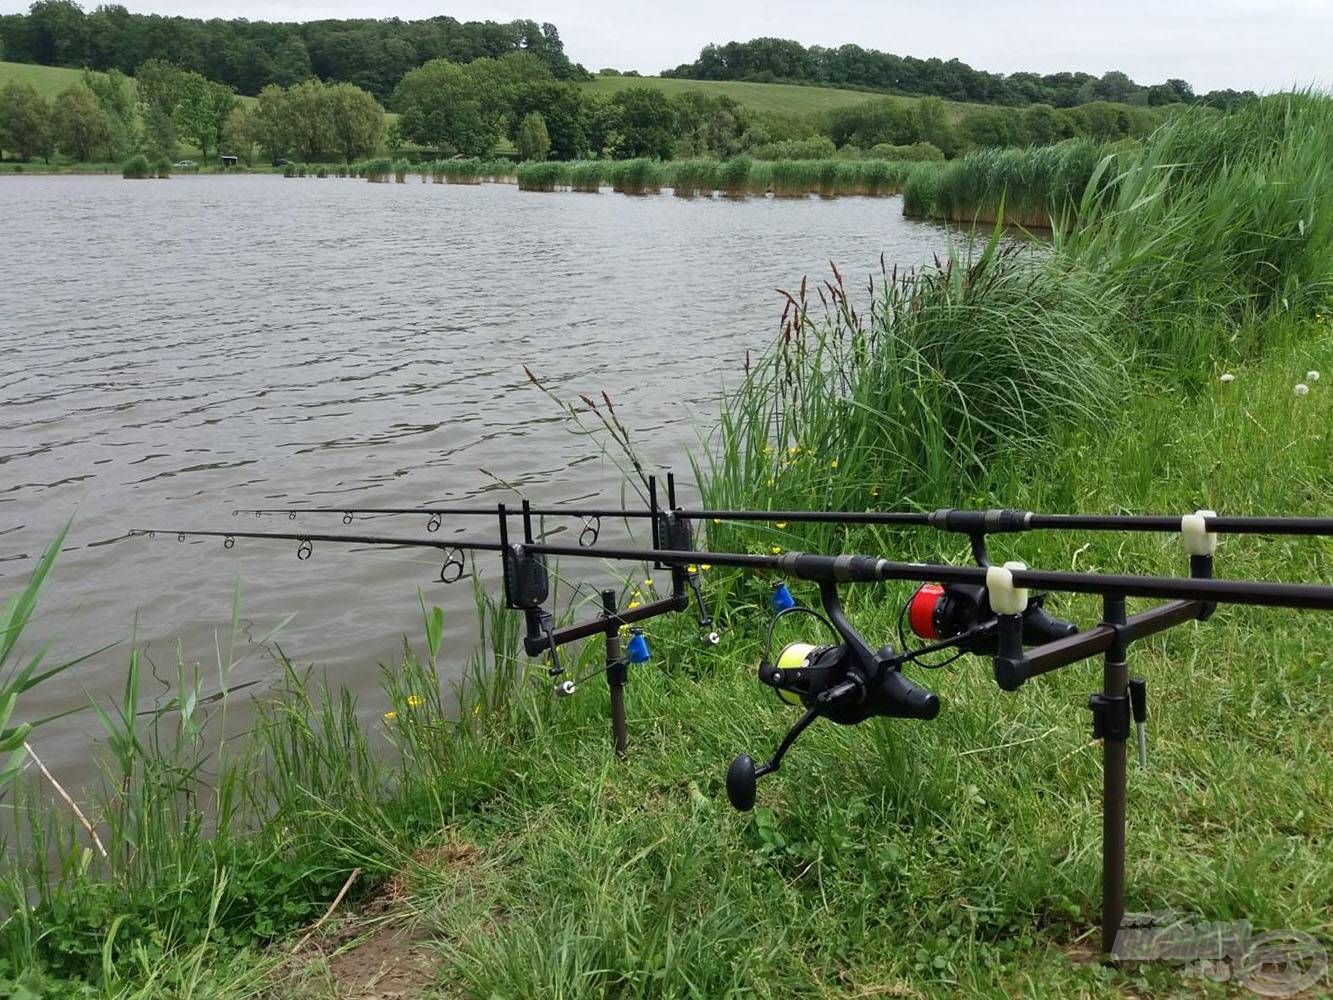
(516, 857)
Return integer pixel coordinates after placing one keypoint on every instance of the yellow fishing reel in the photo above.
(793, 661)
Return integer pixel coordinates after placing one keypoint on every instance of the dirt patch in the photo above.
(392, 962)
(381, 952)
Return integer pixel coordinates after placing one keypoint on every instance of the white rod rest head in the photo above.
(1199, 541)
(1005, 598)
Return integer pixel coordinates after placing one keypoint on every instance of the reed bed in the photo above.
(136, 168)
(1038, 187)
(378, 171)
(794, 178)
(587, 176)
(761, 177)
(400, 170)
(547, 175)
(639, 177)
(733, 177)
(690, 178)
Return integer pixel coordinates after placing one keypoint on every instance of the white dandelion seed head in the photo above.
(1301, 389)
(1227, 378)
(1312, 376)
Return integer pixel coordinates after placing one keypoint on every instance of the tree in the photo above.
(532, 141)
(441, 106)
(79, 124)
(159, 84)
(159, 133)
(1044, 125)
(871, 123)
(239, 134)
(358, 120)
(307, 121)
(934, 127)
(25, 121)
(202, 111)
(995, 127)
(647, 123)
(268, 122)
(114, 97)
(564, 110)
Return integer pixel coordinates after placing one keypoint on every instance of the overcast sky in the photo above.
(1244, 44)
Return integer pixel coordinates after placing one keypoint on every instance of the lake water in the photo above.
(174, 350)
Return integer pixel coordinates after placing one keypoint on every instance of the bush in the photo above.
(915, 152)
(163, 168)
(136, 168)
(819, 148)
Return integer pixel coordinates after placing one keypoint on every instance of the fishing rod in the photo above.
(976, 524)
(985, 610)
(526, 588)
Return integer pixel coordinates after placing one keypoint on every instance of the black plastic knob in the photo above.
(741, 783)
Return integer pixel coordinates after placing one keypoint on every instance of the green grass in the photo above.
(777, 98)
(48, 80)
(51, 80)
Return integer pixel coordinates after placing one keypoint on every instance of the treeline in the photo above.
(470, 108)
(774, 60)
(250, 55)
(108, 116)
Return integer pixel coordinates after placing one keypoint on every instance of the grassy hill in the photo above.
(781, 98)
(49, 80)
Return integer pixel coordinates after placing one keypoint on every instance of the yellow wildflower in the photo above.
(415, 701)
(833, 464)
(777, 550)
(390, 716)
(781, 524)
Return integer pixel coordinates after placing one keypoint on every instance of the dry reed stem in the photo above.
(329, 912)
(74, 806)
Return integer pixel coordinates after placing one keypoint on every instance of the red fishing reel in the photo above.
(939, 612)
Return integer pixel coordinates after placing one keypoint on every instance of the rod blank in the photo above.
(963, 521)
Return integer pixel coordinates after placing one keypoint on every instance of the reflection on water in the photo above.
(174, 350)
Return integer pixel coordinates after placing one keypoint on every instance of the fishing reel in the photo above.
(847, 682)
(960, 614)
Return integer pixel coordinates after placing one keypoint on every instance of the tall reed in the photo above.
(378, 171)
(641, 176)
(733, 178)
(794, 178)
(547, 175)
(689, 178)
(586, 176)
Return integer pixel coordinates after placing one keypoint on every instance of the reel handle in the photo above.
(743, 776)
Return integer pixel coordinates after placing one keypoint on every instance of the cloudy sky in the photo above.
(1255, 44)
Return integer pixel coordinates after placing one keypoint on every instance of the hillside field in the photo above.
(50, 80)
(778, 98)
